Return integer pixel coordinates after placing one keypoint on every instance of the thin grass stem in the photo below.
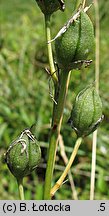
(94, 143)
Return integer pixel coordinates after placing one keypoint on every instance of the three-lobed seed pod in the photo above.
(86, 113)
(50, 6)
(75, 44)
(23, 155)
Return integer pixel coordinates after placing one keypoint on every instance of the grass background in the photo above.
(25, 100)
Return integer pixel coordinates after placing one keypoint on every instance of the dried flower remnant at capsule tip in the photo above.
(49, 6)
(86, 114)
(75, 42)
(23, 155)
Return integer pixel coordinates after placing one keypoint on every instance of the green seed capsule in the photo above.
(86, 114)
(23, 155)
(50, 6)
(75, 45)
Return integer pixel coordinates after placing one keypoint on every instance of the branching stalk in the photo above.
(60, 95)
(64, 174)
(65, 159)
(55, 130)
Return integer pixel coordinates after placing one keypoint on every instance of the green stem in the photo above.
(50, 55)
(55, 130)
(20, 188)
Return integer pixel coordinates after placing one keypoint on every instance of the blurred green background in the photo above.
(25, 100)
